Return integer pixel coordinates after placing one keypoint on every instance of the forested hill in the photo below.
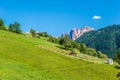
(106, 39)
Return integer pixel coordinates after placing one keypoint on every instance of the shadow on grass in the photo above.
(117, 67)
(63, 48)
(60, 47)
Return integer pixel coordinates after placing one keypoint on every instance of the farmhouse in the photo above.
(110, 61)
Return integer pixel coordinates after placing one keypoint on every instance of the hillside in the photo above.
(106, 40)
(25, 58)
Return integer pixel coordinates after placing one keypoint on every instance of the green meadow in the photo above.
(25, 58)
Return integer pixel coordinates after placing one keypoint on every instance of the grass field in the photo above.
(25, 58)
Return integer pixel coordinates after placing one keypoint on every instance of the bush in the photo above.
(101, 55)
(53, 39)
(43, 34)
(66, 42)
(15, 28)
(2, 26)
(33, 32)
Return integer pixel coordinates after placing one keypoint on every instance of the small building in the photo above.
(110, 61)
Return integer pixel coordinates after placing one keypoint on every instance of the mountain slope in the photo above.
(22, 59)
(106, 40)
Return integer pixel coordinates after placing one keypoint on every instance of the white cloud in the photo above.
(96, 17)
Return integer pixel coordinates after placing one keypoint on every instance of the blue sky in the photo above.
(58, 16)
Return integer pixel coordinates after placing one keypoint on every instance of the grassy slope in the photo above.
(22, 59)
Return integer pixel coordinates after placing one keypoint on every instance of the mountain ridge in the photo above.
(77, 32)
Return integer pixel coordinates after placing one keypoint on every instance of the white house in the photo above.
(110, 61)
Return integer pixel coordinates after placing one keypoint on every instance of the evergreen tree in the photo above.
(117, 57)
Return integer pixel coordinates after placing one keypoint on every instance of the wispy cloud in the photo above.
(96, 17)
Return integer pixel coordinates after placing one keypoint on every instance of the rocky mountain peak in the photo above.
(77, 32)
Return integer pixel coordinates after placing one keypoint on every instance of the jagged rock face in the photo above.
(76, 33)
